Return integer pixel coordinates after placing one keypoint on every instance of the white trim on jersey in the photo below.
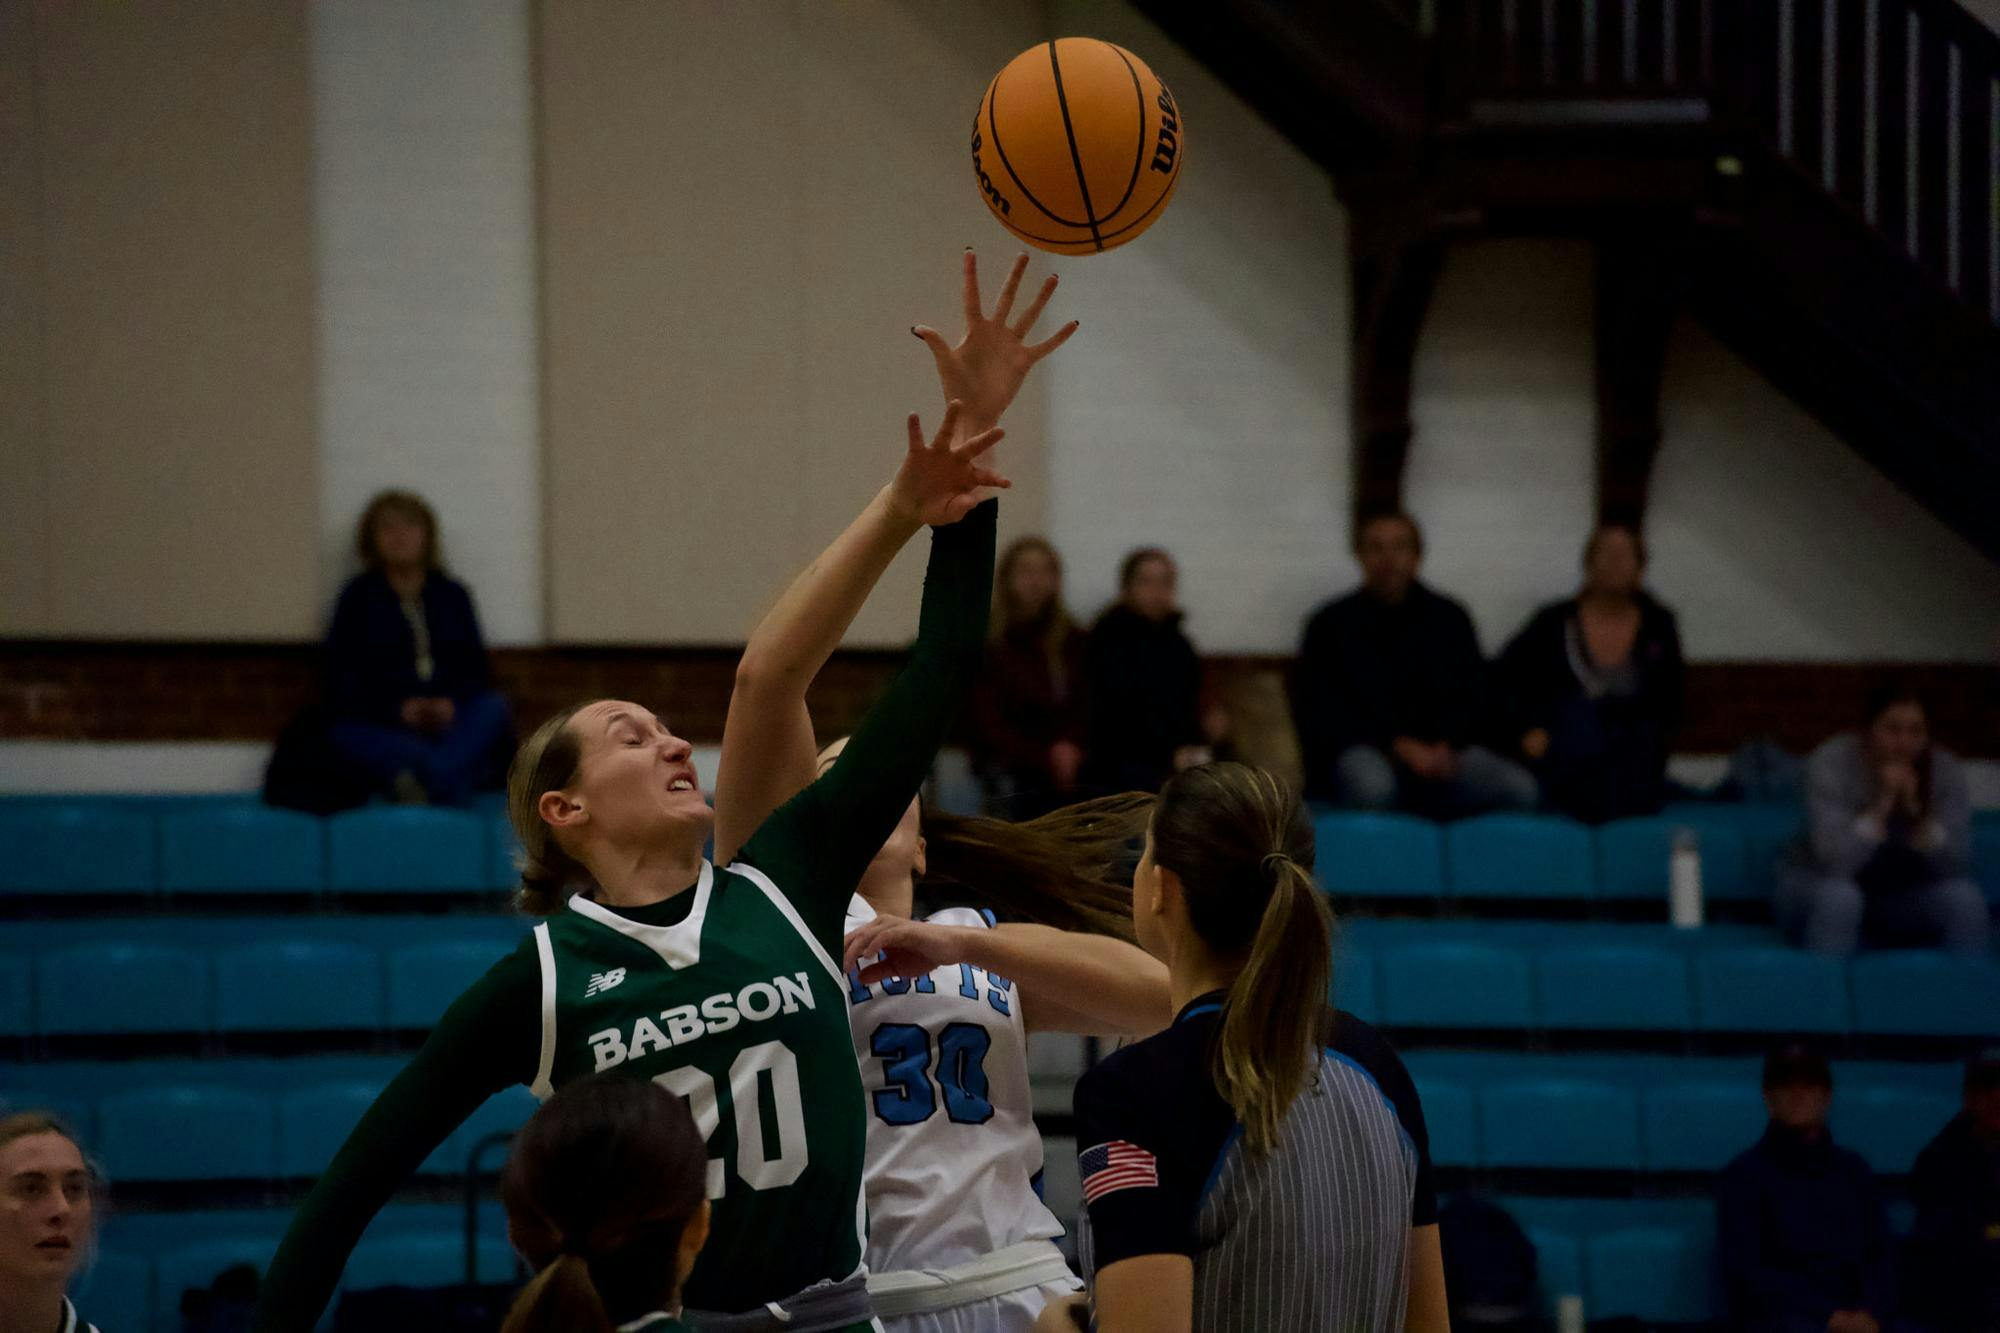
(1033, 1263)
(678, 945)
(545, 956)
(71, 1323)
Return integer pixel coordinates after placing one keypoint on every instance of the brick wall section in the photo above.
(145, 691)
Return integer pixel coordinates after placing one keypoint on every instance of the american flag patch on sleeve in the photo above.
(1114, 1166)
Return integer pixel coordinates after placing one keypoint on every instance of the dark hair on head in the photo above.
(1241, 844)
(1795, 1065)
(547, 761)
(600, 1187)
(1603, 530)
(1070, 868)
(1886, 694)
(1007, 612)
(1368, 521)
(410, 505)
(1128, 568)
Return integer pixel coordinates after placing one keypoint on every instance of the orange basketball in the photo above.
(1077, 146)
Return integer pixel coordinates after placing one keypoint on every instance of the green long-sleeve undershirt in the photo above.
(813, 848)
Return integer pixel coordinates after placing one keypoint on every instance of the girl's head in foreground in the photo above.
(606, 1194)
(47, 1202)
(600, 787)
(1225, 890)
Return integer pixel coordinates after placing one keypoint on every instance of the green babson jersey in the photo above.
(739, 1010)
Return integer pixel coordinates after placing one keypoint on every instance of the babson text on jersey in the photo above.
(686, 1022)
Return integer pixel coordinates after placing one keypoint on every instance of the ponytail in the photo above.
(559, 1299)
(1071, 868)
(1271, 1020)
(1241, 844)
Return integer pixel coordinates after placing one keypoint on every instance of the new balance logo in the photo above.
(601, 982)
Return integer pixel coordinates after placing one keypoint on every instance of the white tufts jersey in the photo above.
(954, 1159)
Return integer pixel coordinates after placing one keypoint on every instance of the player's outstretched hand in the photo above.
(940, 482)
(907, 948)
(987, 367)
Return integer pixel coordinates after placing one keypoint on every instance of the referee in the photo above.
(1261, 1164)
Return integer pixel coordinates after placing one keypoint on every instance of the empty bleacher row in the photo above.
(208, 845)
(290, 975)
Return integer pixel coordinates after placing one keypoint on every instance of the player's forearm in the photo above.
(797, 635)
(1090, 984)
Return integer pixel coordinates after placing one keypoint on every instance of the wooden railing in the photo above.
(1891, 106)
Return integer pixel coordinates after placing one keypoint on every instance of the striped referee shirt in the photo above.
(1313, 1235)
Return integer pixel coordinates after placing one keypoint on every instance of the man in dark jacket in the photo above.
(1389, 692)
(1955, 1255)
(1801, 1235)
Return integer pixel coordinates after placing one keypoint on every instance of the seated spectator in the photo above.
(1955, 1254)
(1888, 840)
(408, 685)
(1593, 687)
(1142, 681)
(1801, 1235)
(47, 1193)
(1027, 709)
(1389, 692)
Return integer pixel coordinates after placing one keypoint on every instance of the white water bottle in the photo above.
(1569, 1314)
(1684, 880)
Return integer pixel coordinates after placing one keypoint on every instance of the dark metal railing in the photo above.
(1891, 106)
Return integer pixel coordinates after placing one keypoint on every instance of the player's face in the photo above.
(44, 1208)
(1388, 553)
(636, 780)
(1033, 581)
(1799, 1106)
(1152, 590)
(1900, 734)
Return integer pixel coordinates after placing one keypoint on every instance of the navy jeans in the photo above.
(450, 765)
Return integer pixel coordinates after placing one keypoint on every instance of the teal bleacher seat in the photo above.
(1656, 1275)
(1454, 984)
(1575, 1216)
(1770, 990)
(1371, 855)
(1922, 992)
(1451, 1121)
(396, 849)
(188, 1133)
(425, 978)
(502, 847)
(1353, 983)
(1889, 1126)
(115, 1292)
(1700, 1126)
(16, 996)
(314, 1122)
(1519, 856)
(1613, 988)
(1632, 857)
(241, 848)
(1762, 831)
(426, 1260)
(503, 1113)
(1986, 852)
(1559, 1124)
(121, 987)
(78, 846)
(1558, 1265)
(196, 1266)
(298, 986)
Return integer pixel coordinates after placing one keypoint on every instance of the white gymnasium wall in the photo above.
(426, 255)
(1203, 407)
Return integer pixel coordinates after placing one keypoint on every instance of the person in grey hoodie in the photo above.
(1888, 840)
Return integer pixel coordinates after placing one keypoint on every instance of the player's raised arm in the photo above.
(767, 741)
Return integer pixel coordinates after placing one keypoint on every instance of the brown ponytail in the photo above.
(1242, 846)
(601, 1187)
(545, 762)
(1070, 868)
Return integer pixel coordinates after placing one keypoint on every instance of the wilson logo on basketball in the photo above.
(986, 186)
(1170, 126)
